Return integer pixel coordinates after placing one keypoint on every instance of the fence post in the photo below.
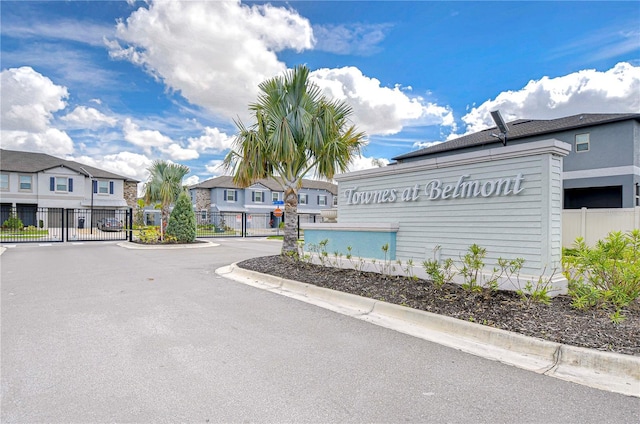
(244, 224)
(298, 227)
(65, 224)
(583, 223)
(130, 224)
(636, 212)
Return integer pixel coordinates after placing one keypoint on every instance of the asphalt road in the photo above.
(97, 333)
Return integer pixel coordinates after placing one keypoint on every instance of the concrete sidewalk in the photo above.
(602, 370)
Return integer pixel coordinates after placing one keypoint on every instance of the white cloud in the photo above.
(586, 91)
(88, 117)
(29, 101)
(215, 168)
(154, 139)
(127, 164)
(363, 162)
(65, 29)
(376, 109)
(177, 152)
(211, 140)
(192, 180)
(424, 144)
(214, 53)
(144, 138)
(358, 39)
(51, 141)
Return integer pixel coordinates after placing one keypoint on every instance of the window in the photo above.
(302, 199)
(203, 214)
(582, 142)
(230, 195)
(4, 181)
(257, 196)
(322, 200)
(103, 187)
(24, 182)
(335, 200)
(275, 196)
(637, 194)
(61, 184)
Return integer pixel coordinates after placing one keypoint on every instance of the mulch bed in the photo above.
(557, 322)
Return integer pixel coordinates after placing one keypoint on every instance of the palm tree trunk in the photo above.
(290, 242)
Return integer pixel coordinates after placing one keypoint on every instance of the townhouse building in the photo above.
(219, 197)
(37, 186)
(601, 171)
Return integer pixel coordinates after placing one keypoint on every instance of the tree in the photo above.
(182, 221)
(164, 185)
(296, 131)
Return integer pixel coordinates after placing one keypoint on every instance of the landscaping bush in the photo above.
(607, 275)
(13, 223)
(182, 221)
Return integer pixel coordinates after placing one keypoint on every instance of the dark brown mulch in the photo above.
(557, 322)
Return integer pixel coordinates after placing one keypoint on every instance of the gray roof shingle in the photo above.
(270, 183)
(18, 161)
(522, 128)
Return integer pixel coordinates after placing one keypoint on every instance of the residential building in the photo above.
(220, 196)
(30, 182)
(602, 171)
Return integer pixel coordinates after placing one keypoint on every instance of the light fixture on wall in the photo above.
(502, 126)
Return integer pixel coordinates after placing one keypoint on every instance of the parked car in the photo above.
(109, 224)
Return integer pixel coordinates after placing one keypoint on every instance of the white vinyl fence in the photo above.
(595, 224)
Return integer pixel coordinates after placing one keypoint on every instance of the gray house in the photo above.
(602, 170)
(35, 185)
(220, 196)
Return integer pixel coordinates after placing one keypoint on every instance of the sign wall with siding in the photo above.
(507, 200)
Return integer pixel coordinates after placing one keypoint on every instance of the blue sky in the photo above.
(119, 84)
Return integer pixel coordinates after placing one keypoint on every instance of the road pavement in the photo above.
(94, 332)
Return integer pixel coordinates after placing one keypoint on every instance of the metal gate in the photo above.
(98, 224)
(31, 224)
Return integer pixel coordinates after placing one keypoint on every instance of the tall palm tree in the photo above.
(296, 131)
(164, 185)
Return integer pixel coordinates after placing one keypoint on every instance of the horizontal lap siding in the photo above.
(507, 226)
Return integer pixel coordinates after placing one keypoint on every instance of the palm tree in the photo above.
(164, 185)
(296, 131)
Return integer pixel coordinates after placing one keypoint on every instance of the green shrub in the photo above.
(607, 275)
(182, 221)
(149, 235)
(13, 223)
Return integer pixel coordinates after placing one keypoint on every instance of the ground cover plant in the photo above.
(611, 322)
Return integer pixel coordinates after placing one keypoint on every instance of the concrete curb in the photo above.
(602, 370)
(201, 245)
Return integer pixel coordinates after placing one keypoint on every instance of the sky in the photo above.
(119, 84)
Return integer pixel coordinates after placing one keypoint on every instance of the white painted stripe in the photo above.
(602, 172)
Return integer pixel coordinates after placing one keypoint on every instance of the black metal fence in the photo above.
(242, 224)
(29, 223)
